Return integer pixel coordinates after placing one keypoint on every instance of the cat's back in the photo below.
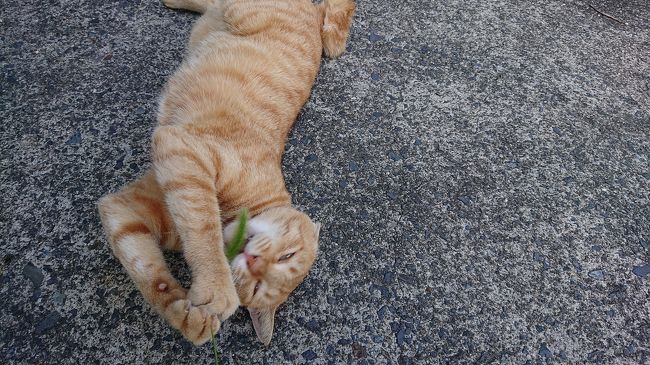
(257, 71)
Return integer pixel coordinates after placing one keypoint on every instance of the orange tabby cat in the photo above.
(224, 117)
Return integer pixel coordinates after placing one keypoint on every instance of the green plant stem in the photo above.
(214, 347)
(232, 250)
(238, 241)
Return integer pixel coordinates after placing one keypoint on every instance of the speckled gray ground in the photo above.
(481, 169)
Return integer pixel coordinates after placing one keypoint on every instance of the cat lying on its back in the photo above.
(223, 120)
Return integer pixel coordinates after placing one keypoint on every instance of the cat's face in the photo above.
(280, 250)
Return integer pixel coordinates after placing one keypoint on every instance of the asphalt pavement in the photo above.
(481, 170)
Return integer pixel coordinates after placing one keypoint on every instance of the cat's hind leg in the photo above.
(210, 22)
(136, 224)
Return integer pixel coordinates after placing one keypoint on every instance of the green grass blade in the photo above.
(214, 347)
(232, 250)
(240, 236)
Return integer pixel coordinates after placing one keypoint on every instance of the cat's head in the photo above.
(280, 249)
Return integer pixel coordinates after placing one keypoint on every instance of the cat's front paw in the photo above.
(216, 297)
(196, 324)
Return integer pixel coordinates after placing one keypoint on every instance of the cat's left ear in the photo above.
(263, 321)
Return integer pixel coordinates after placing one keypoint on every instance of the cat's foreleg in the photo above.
(187, 176)
(134, 223)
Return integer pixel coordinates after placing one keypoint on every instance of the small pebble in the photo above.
(309, 355)
(464, 199)
(394, 156)
(75, 139)
(641, 271)
(373, 37)
(48, 322)
(597, 274)
(34, 274)
(312, 325)
(400, 337)
(119, 163)
(381, 313)
(358, 350)
(629, 350)
(58, 298)
(545, 352)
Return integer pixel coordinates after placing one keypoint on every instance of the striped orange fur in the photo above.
(223, 120)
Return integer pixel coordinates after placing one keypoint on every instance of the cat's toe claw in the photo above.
(199, 326)
(177, 311)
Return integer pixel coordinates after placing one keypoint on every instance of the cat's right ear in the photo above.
(263, 321)
(317, 227)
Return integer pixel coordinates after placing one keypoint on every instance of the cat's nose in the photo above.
(250, 260)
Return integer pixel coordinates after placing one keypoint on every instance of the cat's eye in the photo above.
(286, 257)
(257, 287)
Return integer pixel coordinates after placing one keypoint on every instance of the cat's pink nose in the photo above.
(250, 260)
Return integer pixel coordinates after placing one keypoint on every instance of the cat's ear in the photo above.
(317, 226)
(263, 320)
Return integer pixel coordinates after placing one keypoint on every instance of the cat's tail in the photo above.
(337, 17)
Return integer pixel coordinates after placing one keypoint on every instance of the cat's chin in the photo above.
(239, 262)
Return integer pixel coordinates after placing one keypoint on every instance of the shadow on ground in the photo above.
(481, 169)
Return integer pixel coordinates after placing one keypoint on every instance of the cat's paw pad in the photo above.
(193, 322)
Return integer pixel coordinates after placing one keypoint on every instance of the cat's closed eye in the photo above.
(286, 257)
